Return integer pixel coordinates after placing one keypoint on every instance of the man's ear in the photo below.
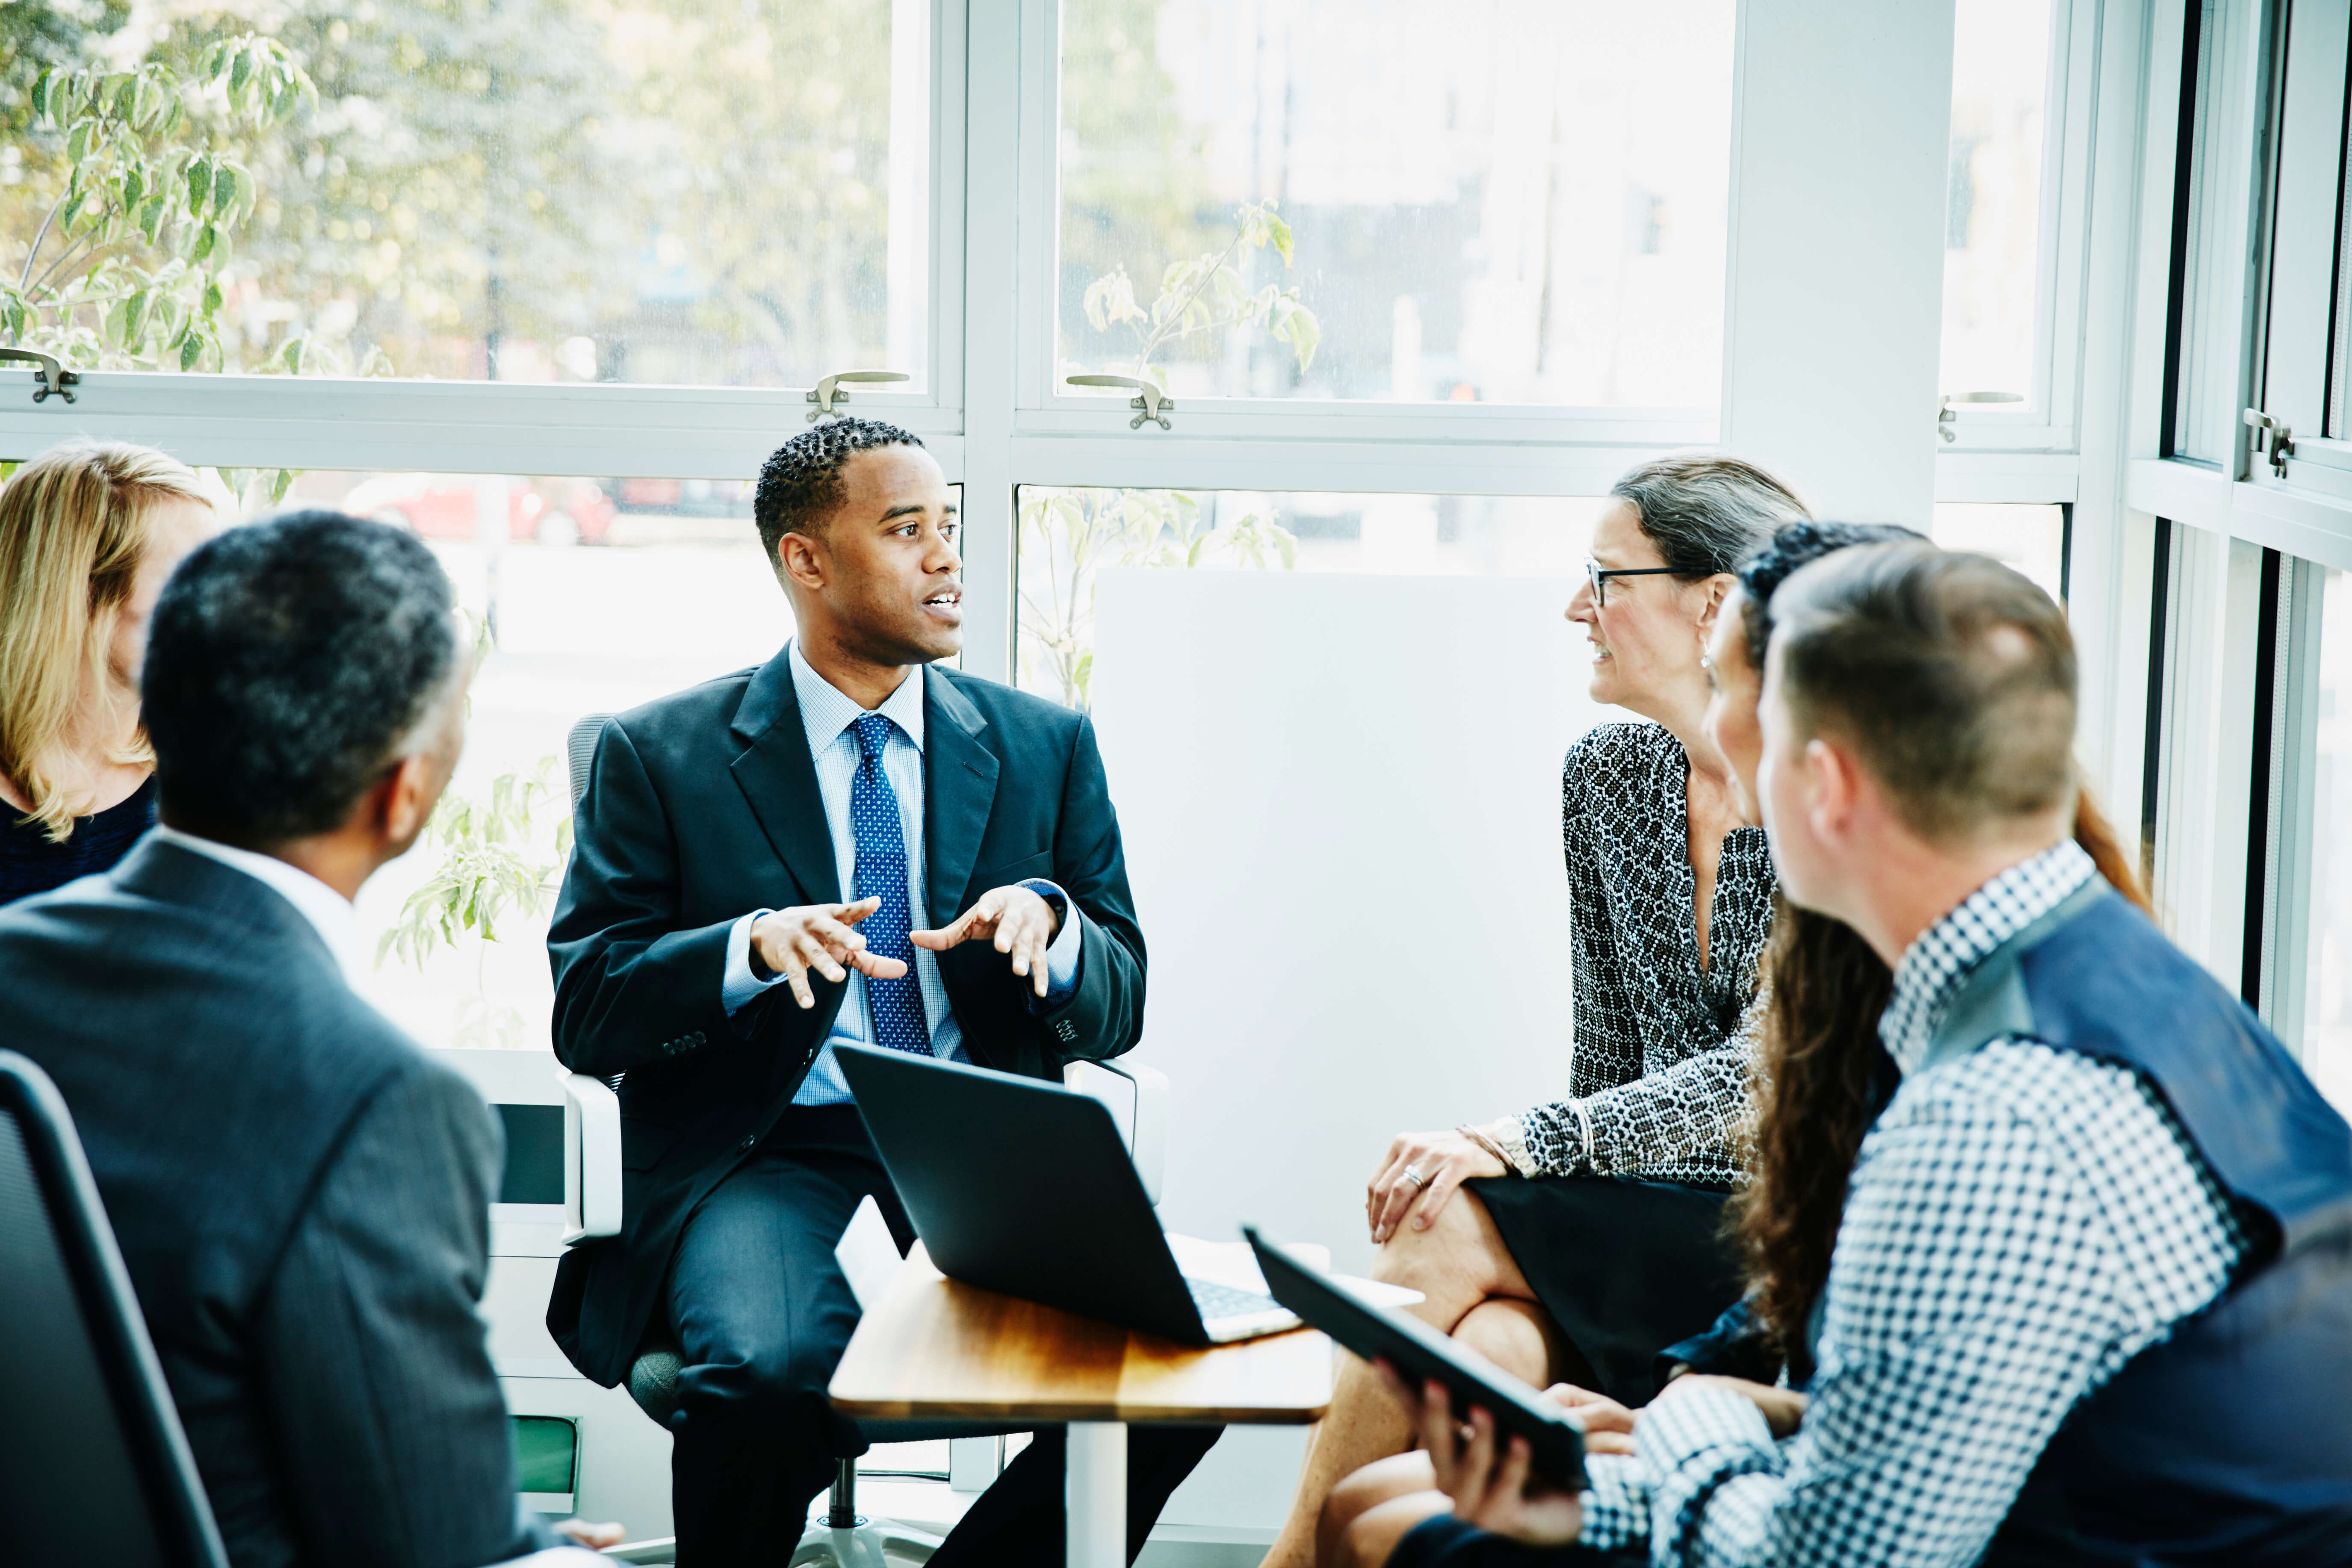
(405, 799)
(1835, 787)
(800, 561)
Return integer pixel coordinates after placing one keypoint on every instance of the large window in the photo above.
(1500, 201)
(2223, 77)
(2326, 1042)
(647, 191)
(1993, 204)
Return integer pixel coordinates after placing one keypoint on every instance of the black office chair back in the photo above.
(580, 750)
(94, 1468)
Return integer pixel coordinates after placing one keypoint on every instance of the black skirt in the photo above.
(1625, 1269)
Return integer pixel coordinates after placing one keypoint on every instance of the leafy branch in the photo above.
(1207, 294)
(1066, 536)
(125, 269)
(492, 869)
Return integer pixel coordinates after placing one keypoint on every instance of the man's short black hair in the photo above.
(800, 485)
(286, 664)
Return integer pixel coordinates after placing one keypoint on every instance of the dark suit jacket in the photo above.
(703, 806)
(302, 1198)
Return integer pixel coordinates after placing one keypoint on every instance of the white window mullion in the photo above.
(1000, 131)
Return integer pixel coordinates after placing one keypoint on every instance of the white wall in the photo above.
(1340, 801)
(1837, 261)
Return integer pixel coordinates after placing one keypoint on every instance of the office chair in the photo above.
(93, 1465)
(592, 1151)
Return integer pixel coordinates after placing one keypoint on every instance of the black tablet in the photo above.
(1420, 1352)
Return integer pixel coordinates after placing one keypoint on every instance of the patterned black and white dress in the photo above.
(1658, 1085)
(1615, 1218)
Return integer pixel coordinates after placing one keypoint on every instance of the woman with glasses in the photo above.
(1588, 1235)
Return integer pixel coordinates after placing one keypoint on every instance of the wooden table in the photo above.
(935, 1349)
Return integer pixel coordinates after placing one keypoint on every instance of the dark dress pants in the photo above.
(762, 1314)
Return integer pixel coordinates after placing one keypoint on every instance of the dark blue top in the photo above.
(30, 864)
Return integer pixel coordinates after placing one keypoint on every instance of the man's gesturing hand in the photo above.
(1022, 924)
(791, 942)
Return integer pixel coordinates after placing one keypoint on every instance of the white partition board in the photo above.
(1340, 801)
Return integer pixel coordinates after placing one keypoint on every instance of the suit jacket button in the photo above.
(752, 1142)
(698, 1037)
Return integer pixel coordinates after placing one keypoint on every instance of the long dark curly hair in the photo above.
(1812, 1077)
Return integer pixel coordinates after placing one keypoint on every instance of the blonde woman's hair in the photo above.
(75, 523)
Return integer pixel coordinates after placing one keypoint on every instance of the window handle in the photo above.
(1154, 403)
(1945, 413)
(829, 392)
(53, 377)
(2282, 439)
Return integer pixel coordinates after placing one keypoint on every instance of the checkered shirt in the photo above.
(2022, 1220)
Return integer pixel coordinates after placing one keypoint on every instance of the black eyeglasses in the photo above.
(1600, 579)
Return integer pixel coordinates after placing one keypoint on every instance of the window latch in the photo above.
(825, 393)
(52, 377)
(1945, 414)
(2282, 439)
(1153, 403)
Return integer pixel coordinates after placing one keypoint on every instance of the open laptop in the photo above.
(1025, 1188)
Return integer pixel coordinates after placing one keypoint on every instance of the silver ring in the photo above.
(1415, 1177)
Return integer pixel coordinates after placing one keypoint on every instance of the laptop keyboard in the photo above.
(1216, 1301)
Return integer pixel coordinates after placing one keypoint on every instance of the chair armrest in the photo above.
(592, 1158)
(1147, 1140)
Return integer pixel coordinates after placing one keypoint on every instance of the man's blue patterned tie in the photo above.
(895, 1005)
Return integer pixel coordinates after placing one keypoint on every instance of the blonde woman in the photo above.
(88, 533)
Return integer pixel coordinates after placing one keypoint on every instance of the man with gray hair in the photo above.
(301, 1196)
(2092, 1296)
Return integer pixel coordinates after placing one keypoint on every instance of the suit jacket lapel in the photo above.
(961, 780)
(777, 777)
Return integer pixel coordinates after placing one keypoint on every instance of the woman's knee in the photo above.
(1399, 1475)
(1372, 1538)
(1459, 1245)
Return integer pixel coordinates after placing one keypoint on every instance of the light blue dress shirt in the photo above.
(828, 715)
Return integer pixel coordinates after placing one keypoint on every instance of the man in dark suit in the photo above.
(301, 1197)
(848, 844)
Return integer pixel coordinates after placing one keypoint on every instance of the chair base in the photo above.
(875, 1543)
(844, 1539)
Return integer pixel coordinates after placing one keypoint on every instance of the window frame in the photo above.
(2240, 680)
(1046, 410)
(991, 419)
(588, 428)
(2051, 423)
